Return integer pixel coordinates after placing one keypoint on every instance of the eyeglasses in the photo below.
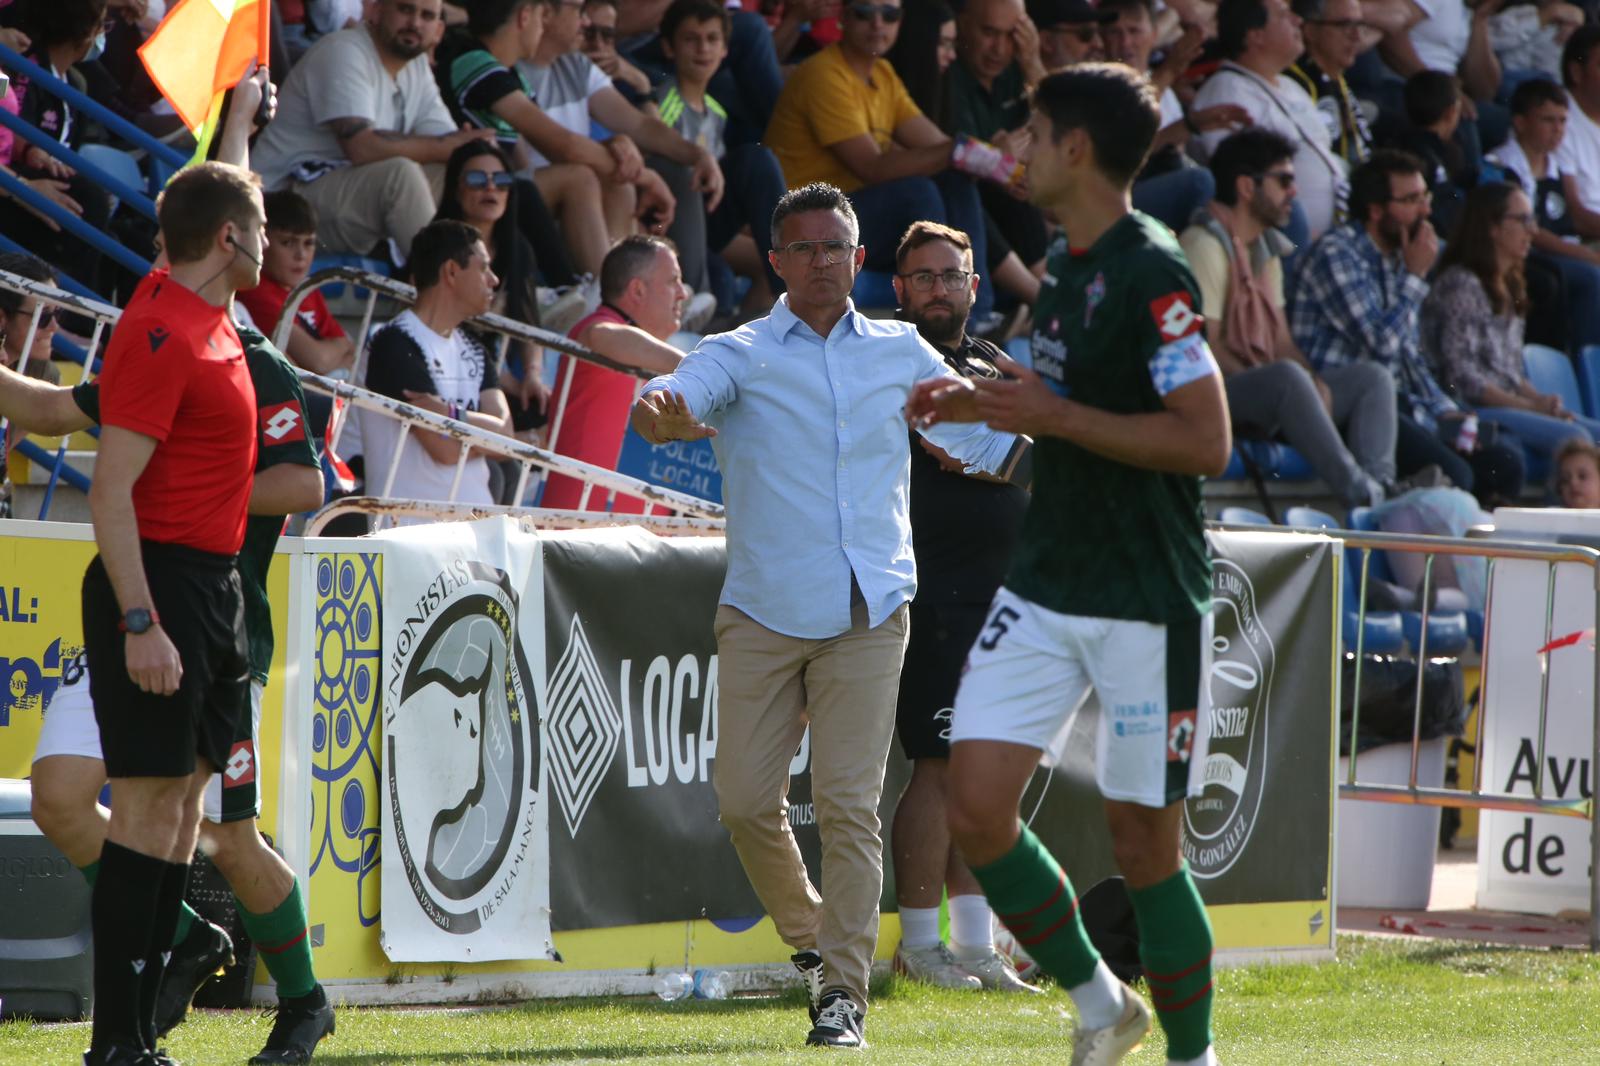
(1346, 25)
(1413, 199)
(1284, 178)
(47, 315)
(888, 12)
(832, 251)
(952, 280)
(1524, 219)
(482, 179)
(600, 33)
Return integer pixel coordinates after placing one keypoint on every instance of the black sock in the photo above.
(169, 904)
(124, 903)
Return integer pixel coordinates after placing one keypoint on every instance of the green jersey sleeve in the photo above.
(282, 434)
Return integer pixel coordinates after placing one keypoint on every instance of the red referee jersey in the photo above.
(175, 371)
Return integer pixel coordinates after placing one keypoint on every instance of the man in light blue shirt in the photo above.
(805, 408)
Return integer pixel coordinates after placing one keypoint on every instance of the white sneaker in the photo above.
(699, 311)
(996, 974)
(1103, 1047)
(933, 966)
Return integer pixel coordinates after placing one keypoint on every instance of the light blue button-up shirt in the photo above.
(816, 462)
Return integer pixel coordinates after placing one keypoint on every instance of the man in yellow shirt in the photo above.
(845, 118)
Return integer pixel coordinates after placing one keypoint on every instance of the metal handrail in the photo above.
(534, 517)
(37, 75)
(1476, 797)
(134, 198)
(22, 192)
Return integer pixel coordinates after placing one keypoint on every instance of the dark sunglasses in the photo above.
(888, 12)
(47, 315)
(600, 33)
(482, 179)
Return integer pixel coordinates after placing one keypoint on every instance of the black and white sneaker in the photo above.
(201, 956)
(809, 963)
(840, 1022)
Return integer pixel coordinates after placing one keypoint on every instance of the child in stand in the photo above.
(694, 37)
(316, 340)
(1577, 464)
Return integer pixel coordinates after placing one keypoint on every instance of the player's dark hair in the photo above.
(1115, 104)
(23, 264)
(627, 259)
(200, 200)
(1119, 6)
(484, 17)
(1583, 41)
(1235, 20)
(441, 241)
(925, 232)
(818, 196)
(1429, 95)
(683, 11)
(1535, 93)
(1247, 154)
(1370, 182)
(289, 212)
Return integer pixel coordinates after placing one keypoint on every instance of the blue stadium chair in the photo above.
(1021, 349)
(1276, 461)
(334, 291)
(1551, 371)
(1384, 631)
(1589, 378)
(1448, 631)
(874, 289)
(1243, 516)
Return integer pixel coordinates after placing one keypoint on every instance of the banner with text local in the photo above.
(465, 842)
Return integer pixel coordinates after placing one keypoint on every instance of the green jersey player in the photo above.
(1110, 585)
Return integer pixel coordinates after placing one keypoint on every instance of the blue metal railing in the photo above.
(134, 198)
(63, 280)
(20, 190)
(13, 60)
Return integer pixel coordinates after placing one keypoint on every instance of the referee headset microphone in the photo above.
(241, 250)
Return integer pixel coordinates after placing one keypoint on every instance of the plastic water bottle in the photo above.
(711, 984)
(675, 985)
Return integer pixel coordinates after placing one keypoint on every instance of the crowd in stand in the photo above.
(1383, 199)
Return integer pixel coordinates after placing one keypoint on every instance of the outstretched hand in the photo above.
(1021, 402)
(663, 416)
(936, 400)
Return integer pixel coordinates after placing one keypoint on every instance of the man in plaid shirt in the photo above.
(1356, 295)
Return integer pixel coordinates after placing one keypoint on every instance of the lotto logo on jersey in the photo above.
(241, 768)
(282, 422)
(1175, 316)
(1180, 735)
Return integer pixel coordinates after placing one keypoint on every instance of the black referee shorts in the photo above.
(199, 600)
(941, 635)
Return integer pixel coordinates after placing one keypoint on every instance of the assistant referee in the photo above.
(163, 612)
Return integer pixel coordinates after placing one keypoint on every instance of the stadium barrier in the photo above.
(1523, 649)
(103, 316)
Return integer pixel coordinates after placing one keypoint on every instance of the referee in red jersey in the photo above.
(163, 612)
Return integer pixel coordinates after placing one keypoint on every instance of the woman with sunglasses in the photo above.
(16, 317)
(478, 188)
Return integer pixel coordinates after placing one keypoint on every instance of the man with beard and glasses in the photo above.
(1236, 252)
(1355, 299)
(362, 132)
(964, 529)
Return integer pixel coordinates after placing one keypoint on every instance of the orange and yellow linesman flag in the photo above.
(200, 51)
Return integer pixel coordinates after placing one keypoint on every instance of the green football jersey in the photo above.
(1117, 327)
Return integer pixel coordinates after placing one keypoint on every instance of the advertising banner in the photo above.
(465, 873)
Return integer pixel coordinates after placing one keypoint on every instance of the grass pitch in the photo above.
(1384, 1001)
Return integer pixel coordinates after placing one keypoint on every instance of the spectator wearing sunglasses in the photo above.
(600, 45)
(16, 316)
(1069, 32)
(846, 119)
(1335, 36)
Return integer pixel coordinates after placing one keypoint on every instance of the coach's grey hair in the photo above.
(818, 196)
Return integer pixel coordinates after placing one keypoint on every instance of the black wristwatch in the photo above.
(139, 620)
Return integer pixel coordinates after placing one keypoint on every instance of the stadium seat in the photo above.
(1448, 630)
(1551, 371)
(1021, 349)
(1384, 631)
(1276, 461)
(1589, 378)
(336, 290)
(1243, 516)
(875, 290)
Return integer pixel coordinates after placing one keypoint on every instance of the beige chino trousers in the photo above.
(770, 687)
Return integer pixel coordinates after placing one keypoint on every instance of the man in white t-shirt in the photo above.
(1261, 39)
(1578, 158)
(1444, 35)
(425, 358)
(362, 132)
(574, 92)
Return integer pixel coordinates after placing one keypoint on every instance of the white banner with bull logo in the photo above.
(465, 842)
